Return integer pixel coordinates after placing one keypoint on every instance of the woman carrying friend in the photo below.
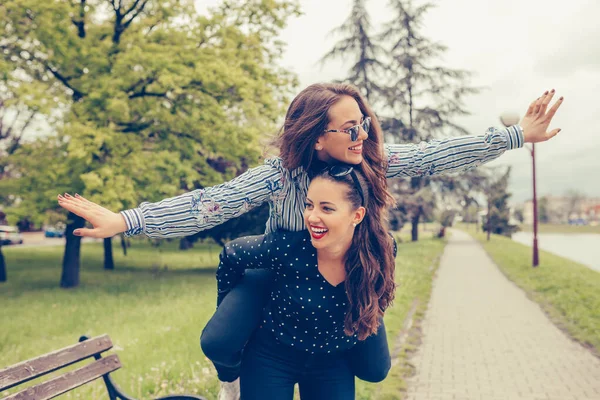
(334, 280)
(325, 124)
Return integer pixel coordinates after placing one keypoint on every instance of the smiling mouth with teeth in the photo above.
(318, 232)
(356, 148)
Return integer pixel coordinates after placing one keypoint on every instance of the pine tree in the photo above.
(362, 49)
(422, 97)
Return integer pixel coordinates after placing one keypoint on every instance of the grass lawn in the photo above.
(568, 291)
(154, 306)
(560, 228)
(544, 228)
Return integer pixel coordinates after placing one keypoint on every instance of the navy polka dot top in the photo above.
(305, 311)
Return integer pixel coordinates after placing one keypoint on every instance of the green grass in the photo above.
(560, 228)
(543, 228)
(568, 292)
(427, 230)
(154, 306)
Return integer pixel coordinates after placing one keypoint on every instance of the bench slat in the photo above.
(69, 381)
(30, 369)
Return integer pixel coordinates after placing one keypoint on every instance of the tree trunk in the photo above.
(184, 244)
(124, 244)
(70, 272)
(415, 226)
(416, 183)
(109, 263)
(2, 266)
(489, 219)
(442, 232)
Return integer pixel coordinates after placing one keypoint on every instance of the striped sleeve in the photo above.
(451, 155)
(202, 209)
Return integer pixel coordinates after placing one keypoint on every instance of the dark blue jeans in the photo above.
(271, 369)
(226, 334)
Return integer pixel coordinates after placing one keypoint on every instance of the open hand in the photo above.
(105, 222)
(536, 121)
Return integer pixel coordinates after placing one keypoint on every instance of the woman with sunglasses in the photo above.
(333, 283)
(325, 124)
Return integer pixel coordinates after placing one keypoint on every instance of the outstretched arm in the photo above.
(186, 214)
(459, 154)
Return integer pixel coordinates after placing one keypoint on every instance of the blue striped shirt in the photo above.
(285, 190)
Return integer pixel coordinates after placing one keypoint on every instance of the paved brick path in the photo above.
(483, 339)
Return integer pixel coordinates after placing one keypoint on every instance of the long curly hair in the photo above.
(369, 263)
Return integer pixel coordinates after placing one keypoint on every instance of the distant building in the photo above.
(562, 209)
(593, 214)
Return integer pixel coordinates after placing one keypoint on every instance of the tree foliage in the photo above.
(158, 100)
(498, 218)
(367, 54)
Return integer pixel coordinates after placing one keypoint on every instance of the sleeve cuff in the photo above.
(514, 136)
(134, 220)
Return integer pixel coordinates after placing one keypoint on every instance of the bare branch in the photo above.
(137, 12)
(151, 27)
(134, 126)
(14, 139)
(133, 7)
(80, 23)
(144, 82)
(147, 94)
(26, 124)
(10, 127)
(77, 94)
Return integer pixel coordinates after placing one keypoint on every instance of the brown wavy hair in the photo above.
(370, 261)
(305, 122)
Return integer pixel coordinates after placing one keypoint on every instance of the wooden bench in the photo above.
(101, 367)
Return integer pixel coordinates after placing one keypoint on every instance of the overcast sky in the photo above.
(517, 49)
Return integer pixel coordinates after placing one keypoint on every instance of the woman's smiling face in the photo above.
(329, 215)
(337, 146)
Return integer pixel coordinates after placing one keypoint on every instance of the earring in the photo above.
(319, 147)
(354, 224)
